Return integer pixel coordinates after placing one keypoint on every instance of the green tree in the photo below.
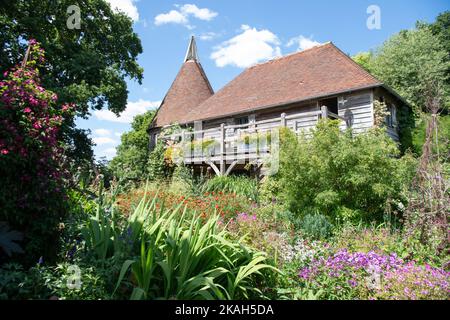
(441, 28)
(408, 62)
(130, 163)
(86, 66)
(363, 59)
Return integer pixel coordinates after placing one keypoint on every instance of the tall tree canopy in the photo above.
(86, 66)
(132, 157)
(412, 60)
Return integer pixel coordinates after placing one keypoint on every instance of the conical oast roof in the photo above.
(190, 88)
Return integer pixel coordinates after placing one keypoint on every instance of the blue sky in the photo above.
(232, 35)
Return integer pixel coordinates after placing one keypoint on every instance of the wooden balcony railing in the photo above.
(229, 144)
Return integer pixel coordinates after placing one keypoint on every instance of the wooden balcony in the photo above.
(229, 145)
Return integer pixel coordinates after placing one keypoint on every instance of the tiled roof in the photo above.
(319, 71)
(189, 89)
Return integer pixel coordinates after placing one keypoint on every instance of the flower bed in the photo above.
(359, 275)
(226, 205)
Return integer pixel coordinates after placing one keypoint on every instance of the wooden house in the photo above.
(293, 91)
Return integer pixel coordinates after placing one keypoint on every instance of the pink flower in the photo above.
(34, 101)
(27, 110)
(5, 151)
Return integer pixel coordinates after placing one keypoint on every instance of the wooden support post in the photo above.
(283, 119)
(222, 149)
(214, 167)
(231, 167)
(185, 149)
(324, 110)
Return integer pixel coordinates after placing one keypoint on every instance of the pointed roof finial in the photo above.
(191, 53)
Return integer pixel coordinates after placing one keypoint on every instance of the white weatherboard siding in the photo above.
(359, 108)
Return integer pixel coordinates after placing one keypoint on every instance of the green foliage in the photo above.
(184, 182)
(409, 62)
(45, 282)
(17, 283)
(87, 66)
(130, 163)
(101, 231)
(32, 162)
(316, 226)
(269, 189)
(156, 166)
(183, 258)
(441, 29)
(60, 278)
(238, 185)
(9, 239)
(406, 125)
(363, 59)
(419, 135)
(342, 176)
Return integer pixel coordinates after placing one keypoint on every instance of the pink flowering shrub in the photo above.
(31, 154)
(359, 275)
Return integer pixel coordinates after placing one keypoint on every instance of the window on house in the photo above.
(242, 120)
(332, 104)
(391, 118)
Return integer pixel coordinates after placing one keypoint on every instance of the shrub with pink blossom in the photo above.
(360, 275)
(31, 154)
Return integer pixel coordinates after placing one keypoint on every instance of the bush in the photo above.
(16, 283)
(381, 239)
(242, 186)
(259, 233)
(345, 177)
(32, 162)
(316, 226)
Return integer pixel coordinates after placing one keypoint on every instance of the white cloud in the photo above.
(132, 110)
(302, 42)
(118, 134)
(202, 14)
(247, 48)
(207, 36)
(182, 15)
(102, 132)
(103, 140)
(126, 6)
(173, 16)
(109, 153)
